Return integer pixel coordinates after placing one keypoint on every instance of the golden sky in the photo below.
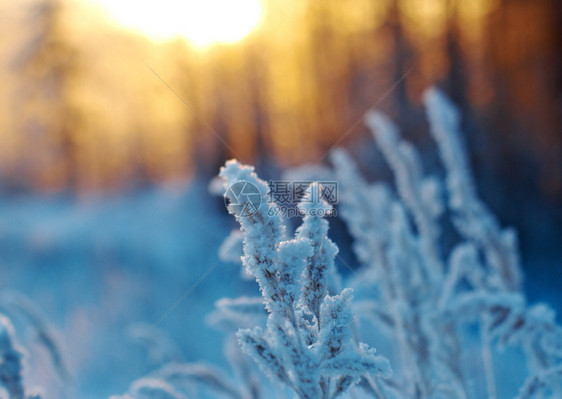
(202, 23)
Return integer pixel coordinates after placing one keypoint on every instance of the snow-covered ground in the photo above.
(96, 267)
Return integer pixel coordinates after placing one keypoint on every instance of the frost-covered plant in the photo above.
(176, 378)
(505, 318)
(471, 216)
(11, 363)
(230, 315)
(18, 306)
(185, 380)
(151, 388)
(427, 300)
(404, 271)
(307, 342)
(443, 315)
(160, 347)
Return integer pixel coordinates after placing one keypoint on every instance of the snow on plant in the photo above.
(159, 346)
(151, 388)
(176, 378)
(19, 306)
(182, 381)
(232, 314)
(307, 343)
(471, 216)
(12, 356)
(432, 299)
(11, 363)
(531, 328)
(426, 302)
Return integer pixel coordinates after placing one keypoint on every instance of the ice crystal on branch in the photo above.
(11, 361)
(307, 343)
(434, 300)
(472, 217)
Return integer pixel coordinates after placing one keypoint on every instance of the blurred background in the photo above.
(114, 115)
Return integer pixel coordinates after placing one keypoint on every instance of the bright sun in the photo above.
(202, 22)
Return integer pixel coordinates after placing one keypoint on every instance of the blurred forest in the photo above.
(108, 140)
(82, 111)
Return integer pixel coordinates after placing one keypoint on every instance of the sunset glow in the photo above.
(202, 23)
